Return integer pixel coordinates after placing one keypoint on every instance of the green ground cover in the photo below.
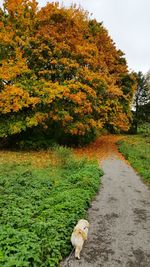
(136, 150)
(40, 206)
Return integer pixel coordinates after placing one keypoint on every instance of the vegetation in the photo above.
(141, 113)
(136, 150)
(144, 130)
(61, 80)
(60, 72)
(40, 206)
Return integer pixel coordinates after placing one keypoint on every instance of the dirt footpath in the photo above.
(119, 219)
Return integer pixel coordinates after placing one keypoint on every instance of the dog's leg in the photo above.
(77, 252)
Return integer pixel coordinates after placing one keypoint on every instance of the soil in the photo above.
(119, 218)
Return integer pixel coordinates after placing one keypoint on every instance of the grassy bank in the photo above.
(39, 207)
(136, 149)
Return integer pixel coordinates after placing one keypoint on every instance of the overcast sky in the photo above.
(128, 23)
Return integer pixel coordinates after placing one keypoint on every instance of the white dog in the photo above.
(79, 235)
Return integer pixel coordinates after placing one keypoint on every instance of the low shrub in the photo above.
(144, 129)
(40, 206)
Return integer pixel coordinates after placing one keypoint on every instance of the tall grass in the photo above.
(136, 150)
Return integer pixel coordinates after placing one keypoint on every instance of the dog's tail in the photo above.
(77, 252)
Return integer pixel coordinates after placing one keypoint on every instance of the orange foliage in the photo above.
(60, 68)
(102, 148)
(14, 99)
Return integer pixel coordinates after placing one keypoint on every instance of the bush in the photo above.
(35, 139)
(39, 208)
(144, 129)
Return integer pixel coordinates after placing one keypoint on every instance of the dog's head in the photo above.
(83, 222)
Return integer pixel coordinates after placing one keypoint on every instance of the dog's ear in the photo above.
(87, 224)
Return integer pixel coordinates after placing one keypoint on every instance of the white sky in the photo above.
(128, 23)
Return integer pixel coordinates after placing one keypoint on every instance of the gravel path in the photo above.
(119, 219)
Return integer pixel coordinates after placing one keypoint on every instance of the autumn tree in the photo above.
(60, 71)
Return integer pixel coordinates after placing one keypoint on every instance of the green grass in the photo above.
(40, 206)
(144, 130)
(136, 149)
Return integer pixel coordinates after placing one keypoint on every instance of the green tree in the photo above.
(141, 111)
